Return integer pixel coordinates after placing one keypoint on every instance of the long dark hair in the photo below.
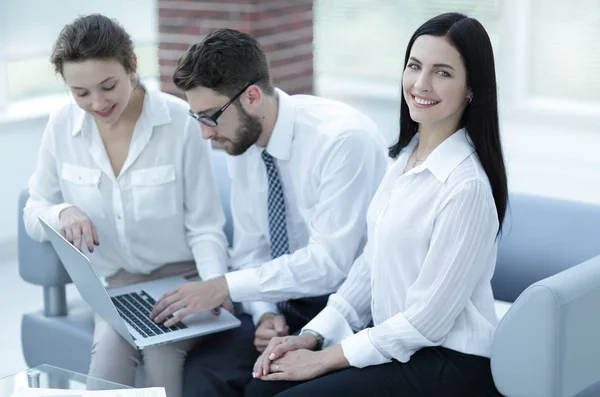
(480, 118)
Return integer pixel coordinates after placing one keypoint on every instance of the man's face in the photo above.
(236, 131)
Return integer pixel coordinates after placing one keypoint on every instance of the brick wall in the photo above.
(283, 27)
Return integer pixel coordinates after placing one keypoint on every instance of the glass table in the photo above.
(48, 376)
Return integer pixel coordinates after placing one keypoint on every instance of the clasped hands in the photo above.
(292, 358)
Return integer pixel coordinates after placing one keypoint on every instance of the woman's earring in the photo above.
(470, 99)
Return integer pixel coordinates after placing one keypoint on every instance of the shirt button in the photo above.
(119, 216)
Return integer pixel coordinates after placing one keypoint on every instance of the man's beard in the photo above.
(246, 135)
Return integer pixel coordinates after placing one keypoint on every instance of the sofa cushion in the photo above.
(541, 237)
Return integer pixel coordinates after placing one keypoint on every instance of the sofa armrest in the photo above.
(546, 344)
(39, 264)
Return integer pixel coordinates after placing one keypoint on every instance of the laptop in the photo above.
(127, 309)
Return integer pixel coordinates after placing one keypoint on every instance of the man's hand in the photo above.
(192, 297)
(278, 347)
(270, 325)
(74, 225)
(227, 305)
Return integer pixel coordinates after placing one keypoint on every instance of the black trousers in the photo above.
(221, 365)
(431, 372)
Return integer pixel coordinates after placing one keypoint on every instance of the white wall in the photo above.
(33, 25)
(19, 143)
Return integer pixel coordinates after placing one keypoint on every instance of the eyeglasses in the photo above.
(211, 121)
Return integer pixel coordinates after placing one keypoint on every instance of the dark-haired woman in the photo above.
(124, 172)
(433, 225)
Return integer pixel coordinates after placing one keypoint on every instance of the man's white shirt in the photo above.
(331, 159)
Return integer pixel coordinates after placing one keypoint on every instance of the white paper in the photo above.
(141, 392)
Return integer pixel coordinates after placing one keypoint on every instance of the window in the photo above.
(547, 51)
(552, 70)
(366, 39)
(28, 29)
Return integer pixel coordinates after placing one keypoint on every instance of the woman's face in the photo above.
(434, 83)
(101, 87)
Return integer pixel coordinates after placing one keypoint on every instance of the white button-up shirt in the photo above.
(163, 207)
(331, 159)
(424, 276)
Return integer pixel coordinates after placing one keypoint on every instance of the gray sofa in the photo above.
(548, 265)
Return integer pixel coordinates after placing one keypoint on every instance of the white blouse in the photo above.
(424, 277)
(162, 208)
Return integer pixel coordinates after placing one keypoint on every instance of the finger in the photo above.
(257, 371)
(69, 234)
(280, 350)
(266, 366)
(95, 237)
(261, 344)
(89, 237)
(164, 301)
(178, 317)
(159, 306)
(285, 332)
(76, 230)
(229, 307)
(279, 323)
(277, 376)
(265, 333)
(162, 308)
(173, 307)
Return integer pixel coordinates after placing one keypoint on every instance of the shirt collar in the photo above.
(449, 154)
(280, 142)
(155, 110)
(79, 117)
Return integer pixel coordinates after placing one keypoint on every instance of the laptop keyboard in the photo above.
(135, 308)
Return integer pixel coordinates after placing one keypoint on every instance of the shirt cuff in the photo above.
(332, 326)
(211, 259)
(244, 285)
(360, 351)
(258, 308)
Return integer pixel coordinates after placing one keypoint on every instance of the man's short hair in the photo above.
(225, 61)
